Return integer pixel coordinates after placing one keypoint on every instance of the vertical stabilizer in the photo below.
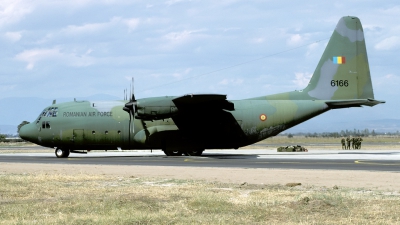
(343, 71)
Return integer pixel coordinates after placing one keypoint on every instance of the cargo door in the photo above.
(78, 137)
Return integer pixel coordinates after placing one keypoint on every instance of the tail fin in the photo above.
(343, 71)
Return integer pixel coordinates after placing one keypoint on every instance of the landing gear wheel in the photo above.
(176, 153)
(172, 153)
(196, 152)
(61, 153)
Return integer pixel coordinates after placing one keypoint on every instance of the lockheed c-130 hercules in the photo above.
(190, 124)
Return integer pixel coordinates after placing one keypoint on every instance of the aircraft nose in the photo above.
(27, 132)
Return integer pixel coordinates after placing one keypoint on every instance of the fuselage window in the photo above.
(119, 132)
(106, 132)
(93, 132)
(45, 124)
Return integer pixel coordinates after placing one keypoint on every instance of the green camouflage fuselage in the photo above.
(104, 125)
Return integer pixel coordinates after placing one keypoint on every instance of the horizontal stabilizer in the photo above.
(337, 104)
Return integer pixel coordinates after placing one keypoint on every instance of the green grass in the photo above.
(83, 199)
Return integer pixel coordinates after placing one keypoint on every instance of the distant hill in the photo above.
(8, 129)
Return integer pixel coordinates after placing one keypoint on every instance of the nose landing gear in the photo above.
(191, 152)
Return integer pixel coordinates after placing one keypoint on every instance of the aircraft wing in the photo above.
(337, 104)
(210, 101)
(206, 120)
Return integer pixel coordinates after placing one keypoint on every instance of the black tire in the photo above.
(173, 153)
(62, 153)
(176, 153)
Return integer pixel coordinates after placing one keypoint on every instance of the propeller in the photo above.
(130, 108)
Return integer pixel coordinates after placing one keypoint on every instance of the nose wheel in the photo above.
(62, 153)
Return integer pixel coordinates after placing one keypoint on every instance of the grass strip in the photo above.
(83, 199)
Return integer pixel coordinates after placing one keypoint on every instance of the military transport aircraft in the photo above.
(190, 124)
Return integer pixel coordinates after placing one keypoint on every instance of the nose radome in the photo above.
(27, 132)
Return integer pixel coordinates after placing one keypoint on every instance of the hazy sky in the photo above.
(57, 49)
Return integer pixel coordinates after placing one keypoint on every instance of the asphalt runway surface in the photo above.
(379, 160)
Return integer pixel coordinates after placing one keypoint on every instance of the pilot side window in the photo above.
(55, 112)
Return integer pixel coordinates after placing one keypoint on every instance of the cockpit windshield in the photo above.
(49, 112)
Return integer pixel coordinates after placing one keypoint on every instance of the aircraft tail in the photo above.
(342, 77)
(343, 71)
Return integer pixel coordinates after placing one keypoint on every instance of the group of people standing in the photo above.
(354, 142)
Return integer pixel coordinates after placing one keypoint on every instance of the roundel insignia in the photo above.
(263, 117)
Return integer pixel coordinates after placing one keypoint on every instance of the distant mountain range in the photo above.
(15, 110)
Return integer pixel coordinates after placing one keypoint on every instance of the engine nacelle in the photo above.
(156, 108)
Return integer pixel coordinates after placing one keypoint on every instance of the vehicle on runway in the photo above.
(293, 148)
(190, 124)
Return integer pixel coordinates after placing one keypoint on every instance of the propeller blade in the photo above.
(130, 107)
(133, 116)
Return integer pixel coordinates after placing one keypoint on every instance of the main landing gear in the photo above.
(62, 153)
(194, 152)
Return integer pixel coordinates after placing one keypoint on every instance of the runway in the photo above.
(378, 160)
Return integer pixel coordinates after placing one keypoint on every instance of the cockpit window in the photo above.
(50, 112)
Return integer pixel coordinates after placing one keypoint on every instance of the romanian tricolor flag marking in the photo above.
(339, 60)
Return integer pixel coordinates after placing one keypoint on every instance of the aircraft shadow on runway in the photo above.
(204, 156)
